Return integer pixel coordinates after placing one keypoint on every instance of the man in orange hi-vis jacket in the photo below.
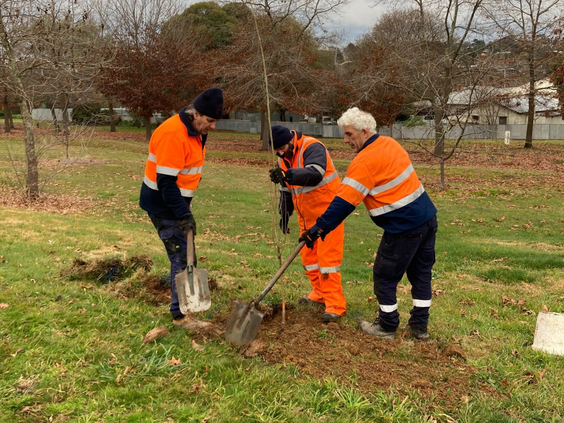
(382, 176)
(309, 182)
(172, 173)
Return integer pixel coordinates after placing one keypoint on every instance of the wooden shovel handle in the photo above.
(282, 269)
(190, 248)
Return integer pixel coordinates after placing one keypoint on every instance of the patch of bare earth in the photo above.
(338, 351)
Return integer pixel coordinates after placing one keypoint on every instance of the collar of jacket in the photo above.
(189, 128)
(297, 136)
(369, 141)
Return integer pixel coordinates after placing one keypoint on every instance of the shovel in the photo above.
(244, 320)
(191, 283)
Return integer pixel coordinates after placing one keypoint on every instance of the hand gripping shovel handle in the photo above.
(282, 269)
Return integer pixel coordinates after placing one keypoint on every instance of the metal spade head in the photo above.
(193, 290)
(243, 323)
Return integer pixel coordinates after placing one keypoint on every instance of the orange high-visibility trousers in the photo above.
(322, 266)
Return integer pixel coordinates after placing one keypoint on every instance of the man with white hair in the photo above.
(382, 176)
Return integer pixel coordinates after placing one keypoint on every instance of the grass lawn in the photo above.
(71, 343)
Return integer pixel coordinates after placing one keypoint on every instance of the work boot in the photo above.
(419, 333)
(330, 317)
(374, 329)
(189, 323)
(307, 301)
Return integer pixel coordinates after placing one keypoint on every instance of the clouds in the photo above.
(358, 17)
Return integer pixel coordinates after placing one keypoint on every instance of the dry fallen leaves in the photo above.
(155, 333)
(4, 305)
(174, 361)
(197, 346)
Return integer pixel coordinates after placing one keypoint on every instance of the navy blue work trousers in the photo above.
(175, 244)
(412, 253)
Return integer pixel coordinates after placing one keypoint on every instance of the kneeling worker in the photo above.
(382, 176)
(309, 182)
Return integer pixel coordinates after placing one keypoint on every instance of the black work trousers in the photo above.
(412, 253)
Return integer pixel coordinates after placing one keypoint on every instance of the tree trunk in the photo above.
(440, 142)
(439, 134)
(54, 117)
(531, 111)
(112, 116)
(264, 130)
(32, 180)
(8, 123)
(148, 128)
(66, 124)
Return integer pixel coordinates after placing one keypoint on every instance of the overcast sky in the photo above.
(358, 18)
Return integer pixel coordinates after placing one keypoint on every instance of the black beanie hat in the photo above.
(210, 103)
(280, 136)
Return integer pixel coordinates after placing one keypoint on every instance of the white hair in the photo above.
(358, 119)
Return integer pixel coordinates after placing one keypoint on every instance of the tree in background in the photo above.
(425, 44)
(73, 49)
(361, 84)
(154, 65)
(275, 37)
(531, 25)
(32, 37)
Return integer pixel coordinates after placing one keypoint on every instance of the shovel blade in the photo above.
(193, 292)
(243, 323)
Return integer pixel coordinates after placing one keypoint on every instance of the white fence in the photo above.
(47, 115)
(398, 131)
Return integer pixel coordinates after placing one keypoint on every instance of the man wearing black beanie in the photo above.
(308, 183)
(172, 173)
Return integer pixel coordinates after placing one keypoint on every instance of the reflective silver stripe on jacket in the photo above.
(388, 308)
(318, 168)
(285, 189)
(394, 182)
(150, 184)
(398, 204)
(324, 181)
(191, 170)
(187, 192)
(154, 186)
(163, 170)
(311, 266)
(356, 185)
(327, 270)
(302, 149)
(421, 303)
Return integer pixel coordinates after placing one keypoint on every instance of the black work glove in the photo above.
(284, 220)
(277, 175)
(310, 238)
(187, 223)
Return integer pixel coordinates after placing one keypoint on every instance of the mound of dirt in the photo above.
(106, 269)
(127, 278)
(342, 353)
(437, 370)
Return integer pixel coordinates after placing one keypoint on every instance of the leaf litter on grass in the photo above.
(436, 369)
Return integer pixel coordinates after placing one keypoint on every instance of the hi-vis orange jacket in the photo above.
(173, 169)
(310, 199)
(381, 176)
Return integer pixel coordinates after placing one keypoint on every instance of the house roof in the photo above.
(514, 98)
